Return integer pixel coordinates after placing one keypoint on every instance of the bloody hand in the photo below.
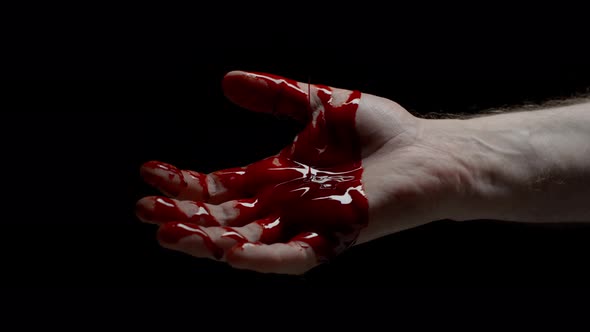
(361, 168)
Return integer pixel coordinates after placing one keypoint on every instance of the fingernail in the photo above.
(163, 176)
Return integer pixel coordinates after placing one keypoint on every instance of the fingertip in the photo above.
(171, 233)
(149, 167)
(159, 209)
(234, 73)
(144, 209)
(181, 236)
(243, 90)
(163, 176)
(268, 93)
(232, 77)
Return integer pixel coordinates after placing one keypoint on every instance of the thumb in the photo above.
(268, 93)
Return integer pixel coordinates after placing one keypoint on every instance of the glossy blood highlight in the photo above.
(231, 233)
(313, 185)
(311, 192)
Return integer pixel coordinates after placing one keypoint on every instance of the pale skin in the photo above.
(531, 166)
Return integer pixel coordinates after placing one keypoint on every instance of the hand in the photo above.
(362, 168)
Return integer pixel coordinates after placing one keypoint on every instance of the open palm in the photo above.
(361, 168)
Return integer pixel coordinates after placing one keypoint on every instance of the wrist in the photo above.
(493, 165)
(504, 166)
(524, 166)
(540, 163)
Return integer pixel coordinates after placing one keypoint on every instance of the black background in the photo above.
(96, 93)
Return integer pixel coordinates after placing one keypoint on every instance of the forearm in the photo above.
(526, 166)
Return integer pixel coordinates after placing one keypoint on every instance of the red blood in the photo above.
(173, 232)
(313, 185)
(321, 246)
(232, 179)
(234, 235)
(247, 211)
(202, 215)
(267, 93)
(271, 229)
(312, 188)
(151, 173)
(164, 209)
(202, 179)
